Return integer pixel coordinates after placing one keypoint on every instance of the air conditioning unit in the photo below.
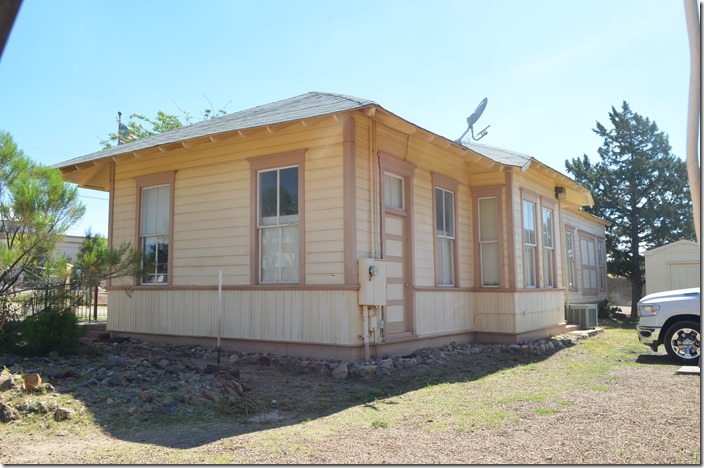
(584, 315)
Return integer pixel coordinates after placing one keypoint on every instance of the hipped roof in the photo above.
(306, 106)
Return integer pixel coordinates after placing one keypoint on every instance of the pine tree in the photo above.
(641, 188)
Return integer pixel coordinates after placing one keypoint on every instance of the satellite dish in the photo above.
(472, 119)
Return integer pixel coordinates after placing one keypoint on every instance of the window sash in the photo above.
(571, 261)
(548, 247)
(488, 242)
(155, 215)
(530, 246)
(445, 234)
(278, 201)
(393, 192)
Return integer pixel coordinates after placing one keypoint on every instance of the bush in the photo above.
(39, 334)
(607, 309)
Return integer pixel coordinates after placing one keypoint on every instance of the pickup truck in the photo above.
(671, 318)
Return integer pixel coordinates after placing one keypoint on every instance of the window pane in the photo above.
(270, 245)
(288, 196)
(445, 262)
(488, 229)
(449, 211)
(268, 213)
(528, 223)
(147, 225)
(549, 276)
(547, 227)
(439, 211)
(490, 263)
(529, 266)
(162, 202)
(393, 192)
(289, 254)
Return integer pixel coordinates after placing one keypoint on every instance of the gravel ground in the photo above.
(648, 415)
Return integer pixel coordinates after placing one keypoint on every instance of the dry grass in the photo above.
(606, 400)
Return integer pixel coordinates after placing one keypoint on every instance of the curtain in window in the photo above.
(278, 225)
(154, 233)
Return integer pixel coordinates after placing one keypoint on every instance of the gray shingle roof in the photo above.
(312, 104)
(500, 155)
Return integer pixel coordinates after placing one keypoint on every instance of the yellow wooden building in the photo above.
(338, 229)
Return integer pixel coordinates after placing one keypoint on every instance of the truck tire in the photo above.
(683, 342)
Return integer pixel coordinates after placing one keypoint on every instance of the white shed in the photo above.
(672, 266)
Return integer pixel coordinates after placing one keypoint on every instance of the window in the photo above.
(571, 275)
(601, 261)
(548, 249)
(278, 225)
(393, 191)
(488, 242)
(445, 236)
(589, 272)
(529, 244)
(154, 233)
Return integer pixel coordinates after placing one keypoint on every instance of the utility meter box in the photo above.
(372, 282)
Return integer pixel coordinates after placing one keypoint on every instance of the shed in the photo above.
(673, 266)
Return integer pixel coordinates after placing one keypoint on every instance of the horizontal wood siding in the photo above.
(423, 248)
(311, 316)
(324, 216)
(211, 219)
(439, 312)
(537, 310)
(494, 312)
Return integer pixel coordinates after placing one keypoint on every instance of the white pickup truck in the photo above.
(671, 318)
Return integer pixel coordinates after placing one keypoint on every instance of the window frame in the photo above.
(478, 193)
(549, 266)
(275, 162)
(570, 238)
(587, 268)
(149, 182)
(451, 186)
(601, 263)
(526, 201)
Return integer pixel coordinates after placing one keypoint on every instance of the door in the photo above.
(396, 251)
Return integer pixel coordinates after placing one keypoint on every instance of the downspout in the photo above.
(694, 34)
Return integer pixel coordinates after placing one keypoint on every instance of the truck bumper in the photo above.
(649, 336)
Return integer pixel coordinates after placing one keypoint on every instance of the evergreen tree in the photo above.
(641, 188)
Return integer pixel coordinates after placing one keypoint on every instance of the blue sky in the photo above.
(550, 69)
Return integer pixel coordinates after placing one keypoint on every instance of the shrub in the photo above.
(607, 309)
(39, 334)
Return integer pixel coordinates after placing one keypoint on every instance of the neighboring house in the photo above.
(341, 230)
(673, 266)
(70, 246)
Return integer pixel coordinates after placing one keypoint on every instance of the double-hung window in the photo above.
(548, 249)
(155, 194)
(601, 260)
(445, 236)
(278, 225)
(488, 242)
(571, 275)
(529, 245)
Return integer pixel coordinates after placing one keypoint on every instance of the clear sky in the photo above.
(550, 68)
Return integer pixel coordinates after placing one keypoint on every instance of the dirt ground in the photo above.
(649, 414)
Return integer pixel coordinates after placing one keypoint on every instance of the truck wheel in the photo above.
(683, 342)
